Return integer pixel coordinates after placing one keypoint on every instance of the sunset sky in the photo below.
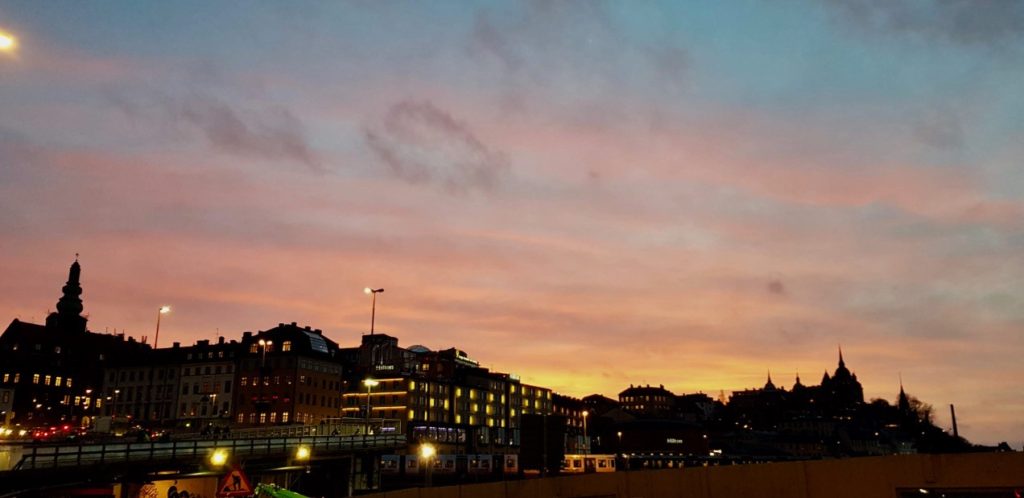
(586, 194)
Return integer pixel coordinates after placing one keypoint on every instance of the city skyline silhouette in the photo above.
(590, 196)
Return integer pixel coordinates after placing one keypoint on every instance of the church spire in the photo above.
(69, 307)
(904, 402)
(841, 362)
(769, 386)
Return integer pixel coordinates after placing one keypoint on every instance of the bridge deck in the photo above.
(62, 456)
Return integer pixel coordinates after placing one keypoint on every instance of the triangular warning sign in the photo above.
(235, 483)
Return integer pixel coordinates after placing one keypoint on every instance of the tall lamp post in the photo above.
(586, 442)
(373, 307)
(427, 453)
(264, 345)
(370, 384)
(161, 311)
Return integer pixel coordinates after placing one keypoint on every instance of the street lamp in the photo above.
(370, 384)
(373, 308)
(302, 453)
(586, 442)
(264, 344)
(427, 452)
(160, 311)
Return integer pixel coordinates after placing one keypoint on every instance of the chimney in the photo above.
(295, 324)
(176, 345)
(220, 340)
(246, 335)
(307, 328)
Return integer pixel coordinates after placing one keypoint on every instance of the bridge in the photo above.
(64, 456)
(23, 466)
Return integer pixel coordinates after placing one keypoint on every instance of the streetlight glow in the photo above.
(219, 457)
(7, 41)
(302, 453)
(165, 309)
(427, 451)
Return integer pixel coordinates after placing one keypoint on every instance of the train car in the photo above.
(445, 464)
(511, 466)
(480, 464)
(572, 464)
(579, 464)
(601, 463)
(390, 464)
(412, 465)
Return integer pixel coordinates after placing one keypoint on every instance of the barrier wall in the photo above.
(847, 478)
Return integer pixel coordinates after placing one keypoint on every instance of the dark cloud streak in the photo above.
(421, 143)
(271, 133)
(965, 22)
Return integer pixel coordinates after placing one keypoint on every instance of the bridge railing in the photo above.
(57, 456)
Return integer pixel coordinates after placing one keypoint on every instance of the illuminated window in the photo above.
(99, 402)
(241, 418)
(458, 392)
(35, 378)
(490, 396)
(17, 377)
(7, 377)
(46, 380)
(412, 385)
(254, 347)
(286, 346)
(472, 394)
(56, 382)
(458, 419)
(446, 404)
(245, 380)
(284, 417)
(412, 414)
(69, 382)
(263, 417)
(273, 417)
(252, 418)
